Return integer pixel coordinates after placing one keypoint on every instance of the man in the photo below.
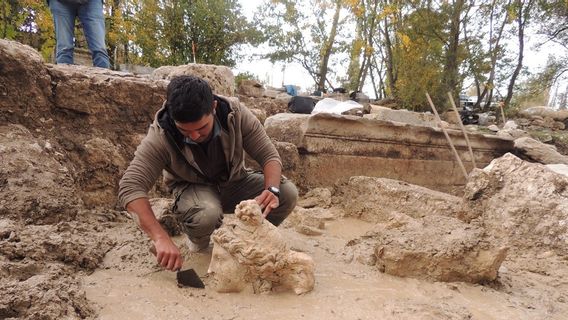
(199, 141)
(90, 13)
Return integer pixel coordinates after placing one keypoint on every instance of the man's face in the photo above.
(198, 131)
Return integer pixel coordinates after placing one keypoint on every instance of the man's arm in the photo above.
(167, 253)
(267, 200)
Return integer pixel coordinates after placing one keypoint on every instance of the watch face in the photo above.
(274, 190)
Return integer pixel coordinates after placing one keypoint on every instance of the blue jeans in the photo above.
(93, 21)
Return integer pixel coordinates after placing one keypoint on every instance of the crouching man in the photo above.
(199, 140)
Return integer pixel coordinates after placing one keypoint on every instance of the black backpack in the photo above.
(299, 104)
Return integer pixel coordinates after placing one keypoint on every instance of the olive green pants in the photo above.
(199, 208)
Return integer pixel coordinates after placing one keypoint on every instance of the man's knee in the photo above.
(200, 219)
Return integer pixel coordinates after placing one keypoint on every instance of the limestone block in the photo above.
(403, 116)
(537, 151)
(286, 127)
(541, 111)
(250, 251)
(220, 78)
(523, 203)
(316, 197)
(251, 88)
(435, 248)
(106, 96)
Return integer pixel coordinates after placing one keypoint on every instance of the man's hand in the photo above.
(267, 201)
(168, 254)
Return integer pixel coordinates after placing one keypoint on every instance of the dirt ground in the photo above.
(129, 285)
(59, 260)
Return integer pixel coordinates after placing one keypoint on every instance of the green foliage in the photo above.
(174, 32)
(244, 76)
(306, 36)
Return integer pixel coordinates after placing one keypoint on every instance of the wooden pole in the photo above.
(463, 130)
(502, 113)
(447, 136)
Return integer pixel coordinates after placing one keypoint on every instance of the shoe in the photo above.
(196, 247)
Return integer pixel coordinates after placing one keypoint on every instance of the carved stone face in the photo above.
(251, 252)
(227, 274)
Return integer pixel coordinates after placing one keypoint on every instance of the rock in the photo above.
(524, 204)
(220, 78)
(435, 248)
(537, 151)
(402, 116)
(375, 199)
(19, 65)
(558, 168)
(560, 115)
(102, 161)
(259, 114)
(493, 128)
(287, 127)
(317, 197)
(38, 188)
(251, 88)
(510, 125)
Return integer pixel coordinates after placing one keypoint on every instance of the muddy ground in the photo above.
(61, 260)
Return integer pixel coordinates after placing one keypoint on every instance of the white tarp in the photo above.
(329, 105)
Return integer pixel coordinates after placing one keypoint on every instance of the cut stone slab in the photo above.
(402, 116)
(336, 147)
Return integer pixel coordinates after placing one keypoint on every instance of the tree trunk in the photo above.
(451, 72)
(522, 19)
(327, 48)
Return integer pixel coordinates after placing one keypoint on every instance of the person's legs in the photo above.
(199, 212)
(64, 22)
(252, 186)
(93, 20)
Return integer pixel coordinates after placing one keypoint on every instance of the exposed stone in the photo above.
(25, 85)
(25, 167)
(317, 197)
(435, 247)
(251, 88)
(560, 115)
(535, 150)
(287, 127)
(220, 78)
(525, 204)
(402, 116)
(360, 195)
(101, 164)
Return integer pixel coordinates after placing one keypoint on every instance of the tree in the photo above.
(521, 12)
(293, 35)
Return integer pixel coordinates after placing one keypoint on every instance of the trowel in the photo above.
(185, 278)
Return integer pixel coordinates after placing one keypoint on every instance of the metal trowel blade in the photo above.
(189, 278)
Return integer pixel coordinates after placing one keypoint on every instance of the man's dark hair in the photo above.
(189, 99)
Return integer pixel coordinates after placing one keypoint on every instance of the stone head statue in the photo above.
(251, 251)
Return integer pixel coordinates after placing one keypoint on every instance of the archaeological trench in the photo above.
(67, 134)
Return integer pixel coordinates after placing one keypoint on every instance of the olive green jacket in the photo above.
(162, 150)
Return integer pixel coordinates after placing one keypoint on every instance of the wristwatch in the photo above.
(274, 191)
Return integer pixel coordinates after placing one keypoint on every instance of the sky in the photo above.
(280, 73)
